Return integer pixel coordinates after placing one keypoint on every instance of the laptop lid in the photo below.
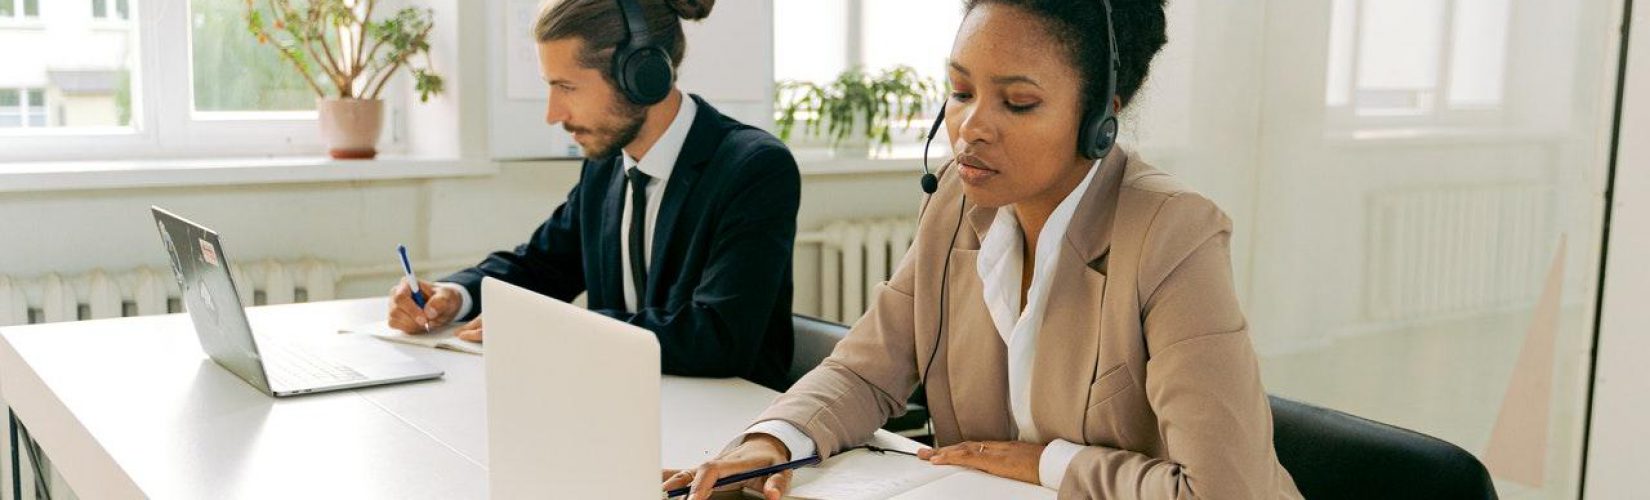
(572, 400)
(208, 292)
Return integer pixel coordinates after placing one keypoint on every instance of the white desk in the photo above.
(131, 408)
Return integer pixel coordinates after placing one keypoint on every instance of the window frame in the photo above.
(27, 104)
(1440, 116)
(164, 121)
(14, 109)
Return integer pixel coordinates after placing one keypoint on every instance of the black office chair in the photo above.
(1336, 455)
(815, 338)
(1330, 454)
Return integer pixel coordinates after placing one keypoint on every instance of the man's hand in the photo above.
(440, 306)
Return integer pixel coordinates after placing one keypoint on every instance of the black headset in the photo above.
(644, 71)
(1095, 138)
(1096, 135)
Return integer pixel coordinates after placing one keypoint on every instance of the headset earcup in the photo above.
(644, 75)
(1107, 136)
(1097, 135)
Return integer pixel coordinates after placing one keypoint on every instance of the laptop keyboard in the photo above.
(296, 367)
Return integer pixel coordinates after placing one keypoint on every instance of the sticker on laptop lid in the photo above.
(209, 253)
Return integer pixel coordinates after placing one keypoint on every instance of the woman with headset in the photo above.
(1069, 309)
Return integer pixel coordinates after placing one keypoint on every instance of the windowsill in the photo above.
(902, 158)
(28, 23)
(95, 175)
(864, 166)
(106, 24)
(1433, 135)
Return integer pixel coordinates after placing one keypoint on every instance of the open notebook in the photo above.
(441, 338)
(862, 474)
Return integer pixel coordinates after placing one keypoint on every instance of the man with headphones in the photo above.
(683, 219)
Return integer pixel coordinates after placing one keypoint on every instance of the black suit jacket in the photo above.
(719, 283)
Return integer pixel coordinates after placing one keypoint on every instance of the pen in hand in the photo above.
(412, 283)
(746, 476)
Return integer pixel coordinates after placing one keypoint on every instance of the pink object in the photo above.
(1518, 444)
(351, 127)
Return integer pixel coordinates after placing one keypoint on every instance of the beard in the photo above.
(606, 139)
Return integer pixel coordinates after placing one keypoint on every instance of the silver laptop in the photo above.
(276, 366)
(572, 400)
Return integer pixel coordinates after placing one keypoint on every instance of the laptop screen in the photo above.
(208, 292)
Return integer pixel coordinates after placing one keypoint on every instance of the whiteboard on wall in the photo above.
(729, 62)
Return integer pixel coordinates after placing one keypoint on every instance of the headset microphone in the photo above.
(930, 183)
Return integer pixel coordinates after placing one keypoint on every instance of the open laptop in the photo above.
(273, 365)
(572, 400)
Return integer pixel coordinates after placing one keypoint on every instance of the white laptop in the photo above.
(572, 400)
(272, 365)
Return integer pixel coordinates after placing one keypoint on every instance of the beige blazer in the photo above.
(1144, 355)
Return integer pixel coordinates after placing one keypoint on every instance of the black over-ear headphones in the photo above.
(644, 71)
(1095, 136)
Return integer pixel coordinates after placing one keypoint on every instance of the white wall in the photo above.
(355, 223)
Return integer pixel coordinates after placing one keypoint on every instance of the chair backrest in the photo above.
(815, 338)
(1335, 455)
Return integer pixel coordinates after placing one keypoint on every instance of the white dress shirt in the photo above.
(999, 264)
(658, 163)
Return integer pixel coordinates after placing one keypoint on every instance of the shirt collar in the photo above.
(1054, 230)
(661, 158)
(1004, 236)
(1001, 248)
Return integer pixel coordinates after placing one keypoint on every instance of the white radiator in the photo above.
(1447, 251)
(99, 294)
(852, 257)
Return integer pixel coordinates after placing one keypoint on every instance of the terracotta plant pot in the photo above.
(351, 127)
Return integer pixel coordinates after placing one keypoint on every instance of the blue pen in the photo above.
(412, 279)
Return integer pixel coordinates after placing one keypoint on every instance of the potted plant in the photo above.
(347, 57)
(855, 109)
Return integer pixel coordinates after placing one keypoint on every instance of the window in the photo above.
(34, 109)
(110, 9)
(9, 9)
(11, 108)
(22, 108)
(1417, 62)
(232, 72)
(813, 36)
(819, 39)
(74, 77)
(102, 81)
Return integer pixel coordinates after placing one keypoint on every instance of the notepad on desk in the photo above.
(442, 338)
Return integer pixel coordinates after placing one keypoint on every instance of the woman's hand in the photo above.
(1015, 460)
(757, 451)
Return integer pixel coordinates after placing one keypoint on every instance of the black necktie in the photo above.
(638, 232)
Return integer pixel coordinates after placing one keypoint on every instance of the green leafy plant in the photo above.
(880, 103)
(337, 44)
